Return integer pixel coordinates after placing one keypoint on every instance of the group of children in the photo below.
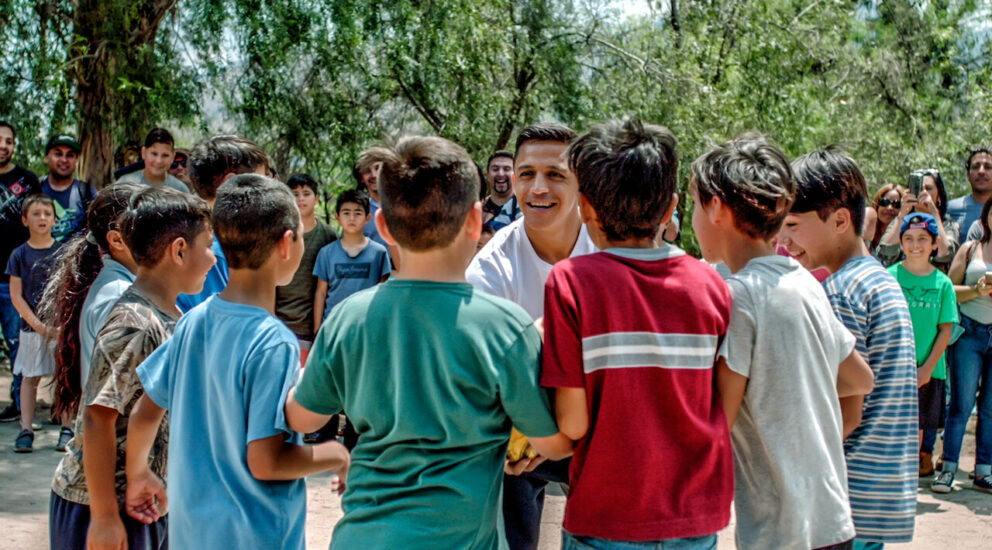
(676, 391)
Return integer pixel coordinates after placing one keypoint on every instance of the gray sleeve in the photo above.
(888, 254)
(738, 347)
(975, 232)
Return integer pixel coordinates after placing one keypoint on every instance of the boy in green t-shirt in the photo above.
(432, 372)
(933, 308)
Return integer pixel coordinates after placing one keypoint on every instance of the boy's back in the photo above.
(431, 374)
(789, 466)
(223, 376)
(639, 329)
(881, 453)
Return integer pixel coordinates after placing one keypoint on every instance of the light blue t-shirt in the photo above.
(215, 282)
(881, 453)
(966, 211)
(224, 376)
(346, 275)
(370, 230)
(108, 286)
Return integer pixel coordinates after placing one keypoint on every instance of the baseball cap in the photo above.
(919, 220)
(63, 139)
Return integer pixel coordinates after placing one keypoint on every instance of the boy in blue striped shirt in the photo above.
(823, 229)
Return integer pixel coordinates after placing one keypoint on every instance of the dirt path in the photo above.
(961, 520)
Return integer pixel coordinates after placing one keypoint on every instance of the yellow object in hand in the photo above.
(519, 447)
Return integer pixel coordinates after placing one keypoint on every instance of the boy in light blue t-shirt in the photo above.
(433, 421)
(235, 469)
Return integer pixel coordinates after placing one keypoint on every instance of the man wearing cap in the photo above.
(16, 183)
(71, 196)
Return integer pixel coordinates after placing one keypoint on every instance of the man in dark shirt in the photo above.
(71, 196)
(499, 180)
(16, 183)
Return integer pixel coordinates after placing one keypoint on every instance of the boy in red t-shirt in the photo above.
(631, 337)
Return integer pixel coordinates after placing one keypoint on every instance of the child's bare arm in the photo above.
(319, 298)
(731, 387)
(22, 307)
(851, 408)
(925, 371)
(99, 464)
(854, 376)
(272, 459)
(301, 419)
(143, 486)
(555, 447)
(571, 412)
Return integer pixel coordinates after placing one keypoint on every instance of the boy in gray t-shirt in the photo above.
(786, 362)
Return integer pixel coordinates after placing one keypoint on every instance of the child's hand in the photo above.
(338, 454)
(523, 465)
(338, 485)
(141, 494)
(106, 533)
(923, 377)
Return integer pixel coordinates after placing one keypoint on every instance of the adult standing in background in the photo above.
(71, 196)
(499, 180)
(967, 210)
(16, 184)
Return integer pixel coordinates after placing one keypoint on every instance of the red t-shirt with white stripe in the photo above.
(639, 329)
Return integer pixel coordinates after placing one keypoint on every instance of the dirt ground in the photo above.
(961, 520)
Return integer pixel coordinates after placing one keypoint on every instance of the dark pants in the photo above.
(523, 502)
(847, 545)
(68, 523)
(10, 322)
(330, 431)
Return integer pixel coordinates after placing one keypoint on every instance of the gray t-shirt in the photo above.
(791, 478)
(170, 181)
(346, 275)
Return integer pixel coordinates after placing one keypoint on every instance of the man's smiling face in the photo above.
(546, 189)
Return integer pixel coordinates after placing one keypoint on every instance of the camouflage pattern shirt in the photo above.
(134, 328)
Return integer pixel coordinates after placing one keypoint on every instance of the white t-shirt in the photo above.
(509, 267)
(791, 477)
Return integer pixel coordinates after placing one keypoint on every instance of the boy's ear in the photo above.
(116, 240)
(473, 221)
(671, 210)
(587, 212)
(840, 219)
(285, 244)
(177, 250)
(380, 224)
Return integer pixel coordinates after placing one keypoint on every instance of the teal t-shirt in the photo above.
(931, 303)
(432, 375)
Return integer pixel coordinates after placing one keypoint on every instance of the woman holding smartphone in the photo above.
(970, 361)
(884, 208)
(926, 194)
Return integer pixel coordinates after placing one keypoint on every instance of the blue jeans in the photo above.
(970, 375)
(10, 321)
(574, 542)
(929, 440)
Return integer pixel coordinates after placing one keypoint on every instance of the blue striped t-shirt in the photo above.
(882, 452)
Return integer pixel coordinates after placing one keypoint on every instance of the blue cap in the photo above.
(918, 220)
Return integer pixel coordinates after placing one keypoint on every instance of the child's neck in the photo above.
(443, 265)
(125, 260)
(555, 244)
(918, 266)
(309, 222)
(158, 285)
(353, 239)
(252, 287)
(845, 251)
(741, 249)
(40, 240)
(628, 243)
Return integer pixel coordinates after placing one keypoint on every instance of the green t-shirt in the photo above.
(432, 375)
(931, 303)
(294, 302)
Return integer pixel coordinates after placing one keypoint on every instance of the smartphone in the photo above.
(916, 184)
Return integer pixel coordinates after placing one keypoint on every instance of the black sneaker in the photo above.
(943, 483)
(10, 413)
(64, 436)
(983, 484)
(24, 442)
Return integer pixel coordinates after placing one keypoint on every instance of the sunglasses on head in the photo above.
(885, 203)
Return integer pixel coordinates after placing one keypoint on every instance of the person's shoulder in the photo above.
(497, 257)
(377, 249)
(132, 312)
(495, 310)
(131, 177)
(29, 177)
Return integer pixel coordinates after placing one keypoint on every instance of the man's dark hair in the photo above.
(361, 198)
(428, 186)
(214, 158)
(627, 171)
(545, 131)
(159, 135)
(5, 124)
(37, 198)
(502, 153)
(827, 180)
(251, 214)
(752, 177)
(157, 216)
(303, 180)
(982, 148)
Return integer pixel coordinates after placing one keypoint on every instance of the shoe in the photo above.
(24, 442)
(64, 436)
(943, 483)
(10, 413)
(926, 465)
(983, 484)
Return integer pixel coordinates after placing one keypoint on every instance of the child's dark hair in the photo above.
(303, 180)
(427, 186)
(37, 198)
(157, 216)
(77, 265)
(488, 229)
(159, 135)
(361, 198)
(544, 131)
(751, 176)
(627, 171)
(251, 215)
(828, 180)
(214, 158)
